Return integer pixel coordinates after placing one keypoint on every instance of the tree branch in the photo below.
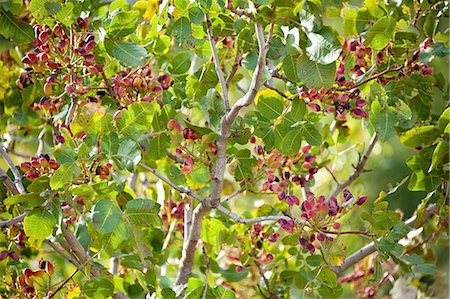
(359, 167)
(8, 183)
(16, 173)
(14, 220)
(213, 201)
(234, 194)
(371, 248)
(228, 118)
(180, 189)
(219, 71)
(78, 250)
(189, 248)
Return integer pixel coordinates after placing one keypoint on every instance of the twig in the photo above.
(65, 256)
(41, 141)
(63, 284)
(180, 189)
(16, 173)
(72, 109)
(371, 248)
(277, 90)
(332, 175)
(8, 183)
(219, 71)
(239, 219)
(371, 78)
(205, 254)
(234, 68)
(347, 233)
(78, 250)
(14, 220)
(232, 195)
(359, 167)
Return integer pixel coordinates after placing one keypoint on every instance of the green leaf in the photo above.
(15, 29)
(270, 104)
(312, 134)
(422, 181)
(105, 216)
(129, 54)
(314, 260)
(440, 155)
(323, 47)
(143, 212)
(29, 200)
(158, 146)
(381, 33)
(38, 8)
(420, 136)
(39, 185)
(38, 226)
(65, 173)
(181, 63)
(315, 75)
(136, 119)
(245, 164)
(444, 119)
(383, 119)
(123, 24)
(231, 275)
(196, 15)
(290, 68)
(68, 13)
(98, 288)
(428, 269)
(291, 142)
(211, 229)
(182, 29)
(221, 292)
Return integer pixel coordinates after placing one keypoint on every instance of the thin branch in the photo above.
(232, 195)
(347, 233)
(14, 220)
(72, 110)
(180, 189)
(16, 173)
(175, 157)
(359, 167)
(205, 254)
(371, 247)
(78, 250)
(41, 141)
(399, 68)
(8, 183)
(52, 294)
(332, 175)
(65, 256)
(239, 219)
(276, 90)
(219, 71)
(234, 68)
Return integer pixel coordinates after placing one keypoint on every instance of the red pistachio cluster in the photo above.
(26, 281)
(187, 158)
(38, 166)
(280, 183)
(174, 211)
(346, 97)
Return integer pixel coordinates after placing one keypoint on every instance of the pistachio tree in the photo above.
(219, 149)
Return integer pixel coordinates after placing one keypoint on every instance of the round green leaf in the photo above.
(106, 216)
(38, 226)
(269, 104)
(98, 288)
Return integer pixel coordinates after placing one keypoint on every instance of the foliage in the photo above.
(203, 149)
